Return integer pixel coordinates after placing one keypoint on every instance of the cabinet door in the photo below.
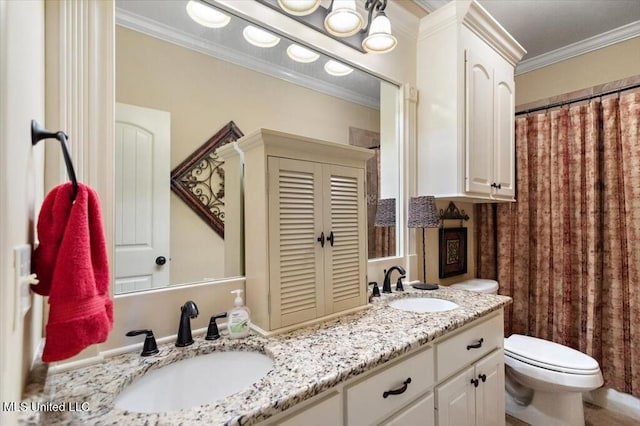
(420, 413)
(295, 254)
(479, 125)
(345, 224)
(490, 390)
(455, 400)
(504, 130)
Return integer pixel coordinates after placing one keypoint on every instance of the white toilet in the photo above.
(544, 381)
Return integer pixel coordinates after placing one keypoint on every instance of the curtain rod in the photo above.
(572, 101)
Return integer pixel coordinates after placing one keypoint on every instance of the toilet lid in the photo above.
(478, 285)
(549, 355)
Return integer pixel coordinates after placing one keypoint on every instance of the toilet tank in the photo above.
(478, 285)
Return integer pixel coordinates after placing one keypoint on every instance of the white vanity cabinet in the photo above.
(474, 395)
(432, 385)
(466, 107)
(305, 228)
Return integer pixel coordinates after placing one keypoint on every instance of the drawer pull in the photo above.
(475, 382)
(482, 377)
(404, 387)
(476, 345)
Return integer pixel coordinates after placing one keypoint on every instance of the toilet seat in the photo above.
(549, 355)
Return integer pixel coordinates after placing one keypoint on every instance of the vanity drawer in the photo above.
(468, 346)
(366, 404)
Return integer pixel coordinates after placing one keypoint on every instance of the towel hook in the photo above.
(38, 133)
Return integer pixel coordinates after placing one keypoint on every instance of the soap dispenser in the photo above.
(238, 323)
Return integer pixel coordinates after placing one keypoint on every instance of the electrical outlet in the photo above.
(23, 278)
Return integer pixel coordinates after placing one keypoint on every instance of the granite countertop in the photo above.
(307, 362)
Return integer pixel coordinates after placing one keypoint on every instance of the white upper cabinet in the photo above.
(466, 105)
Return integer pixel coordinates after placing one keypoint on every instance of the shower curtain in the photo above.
(568, 251)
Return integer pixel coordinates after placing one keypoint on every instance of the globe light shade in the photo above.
(380, 39)
(206, 16)
(302, 54)
(259, 37)
(299, 7)
(337, 69)
(343, 20)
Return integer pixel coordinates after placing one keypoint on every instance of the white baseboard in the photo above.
(615, 401)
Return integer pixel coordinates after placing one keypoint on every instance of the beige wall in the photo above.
(616, 62)
(432, 247)
(202, 94)
(21, 187)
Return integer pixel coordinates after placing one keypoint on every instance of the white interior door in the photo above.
(142, 152)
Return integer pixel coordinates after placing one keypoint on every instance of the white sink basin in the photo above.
(193, 382)
(423, 304)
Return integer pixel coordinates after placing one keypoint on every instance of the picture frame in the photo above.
(199, 179)
(453, 252)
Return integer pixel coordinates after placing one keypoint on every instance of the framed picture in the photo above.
(199, 179)
(453, 252)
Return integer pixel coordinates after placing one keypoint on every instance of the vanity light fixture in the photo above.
(343, 21)
(259, 37)
(299, 7)
(302, 54)
(206, 15)
(337, 69)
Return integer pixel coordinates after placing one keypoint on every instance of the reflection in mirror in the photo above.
(202, 78)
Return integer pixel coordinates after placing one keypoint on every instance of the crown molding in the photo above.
(590, 44)
(431, 5)
(169, 34)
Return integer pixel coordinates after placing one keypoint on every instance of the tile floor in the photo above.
(593, 416)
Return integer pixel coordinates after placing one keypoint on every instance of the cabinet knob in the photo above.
(482, 377)
(496, 185)
(321, 239)
(330, 238)
(475, 382)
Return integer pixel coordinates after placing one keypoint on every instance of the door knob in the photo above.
(161, 260)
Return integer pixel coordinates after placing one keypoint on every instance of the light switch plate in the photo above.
(22, 267)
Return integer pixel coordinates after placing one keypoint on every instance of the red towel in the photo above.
(73, 269)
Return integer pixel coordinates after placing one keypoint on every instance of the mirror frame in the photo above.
(81, 81)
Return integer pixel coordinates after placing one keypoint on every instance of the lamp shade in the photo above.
(386, 212)
(423, 212)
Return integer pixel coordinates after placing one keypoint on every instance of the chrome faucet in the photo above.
(189, 310)
(386, 285)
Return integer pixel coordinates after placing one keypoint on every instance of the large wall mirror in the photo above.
(178, 83)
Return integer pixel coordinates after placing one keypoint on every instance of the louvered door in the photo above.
(295, 224)
(345, 224)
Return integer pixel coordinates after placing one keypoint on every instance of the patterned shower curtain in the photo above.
(568, 251)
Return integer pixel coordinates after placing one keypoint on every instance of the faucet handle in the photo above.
(399, 286)
(150, 347)
(375, 292)
(212, 330)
